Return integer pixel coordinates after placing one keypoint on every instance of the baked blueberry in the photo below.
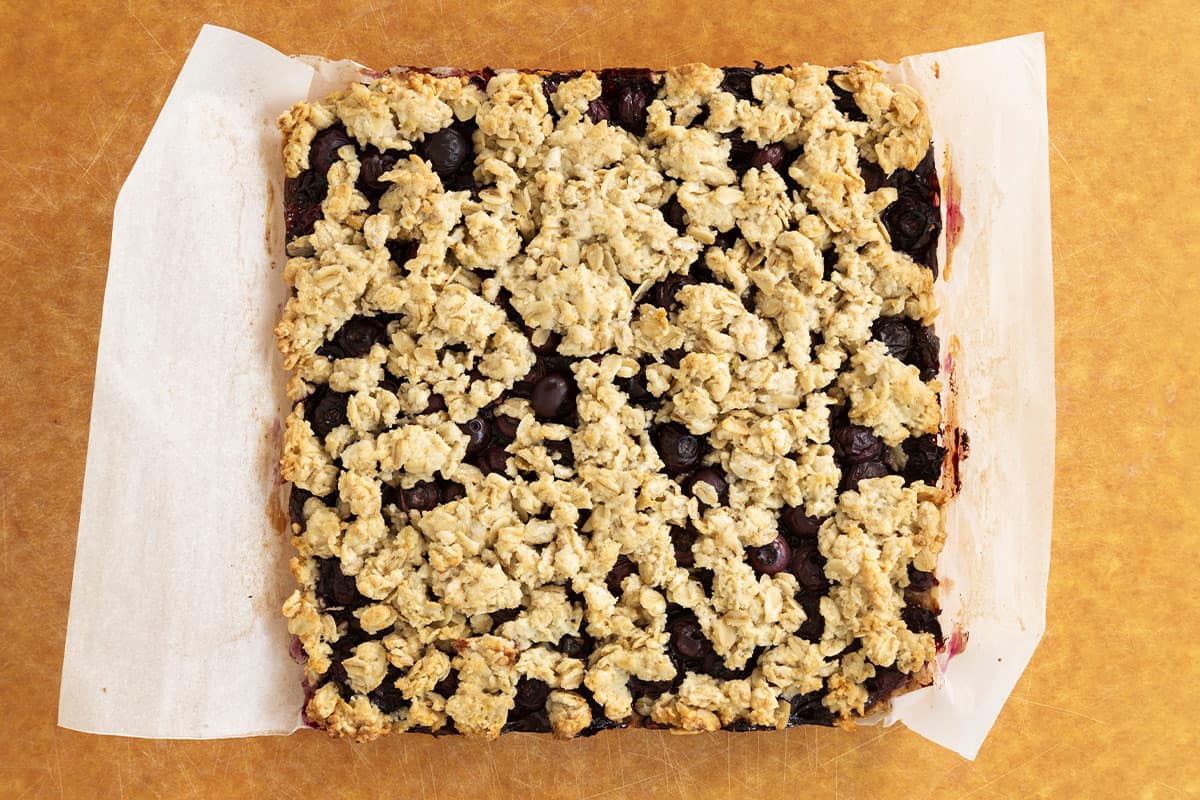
(296, 501)
(479, 434)
(843, 100)
(861, 472)
(771, 557)
(386, 697)
(402, 251)
(631, 109)
(919, 581)
(924, 459)
(334, 588)
(664, 292)
(771, 155)
(373, 165)
(552, 396)
(327, 411)
(897, 336)
(798, 524)
(422, 496)
(574, 646)
(446, 150)
(435, 404)
(597, 111)
(853, 444)
(710, 475)
(687, 638)
(621, 570)
(448, 685)
(682, 540)
(356, 337)
(674, 215)
(885, 682)
(922, 620)
(737, 82)
(505, 426)
(302, 198)
(808, 565)
(807, 709)
(493, 459)
(323, 150)
(912, 223)
(679, 450)
(927, 352)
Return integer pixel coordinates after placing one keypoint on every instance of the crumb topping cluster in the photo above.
(615, 399)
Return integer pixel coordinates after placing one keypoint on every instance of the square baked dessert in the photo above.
(616, 399)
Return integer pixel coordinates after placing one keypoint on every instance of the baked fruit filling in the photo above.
(615, 399)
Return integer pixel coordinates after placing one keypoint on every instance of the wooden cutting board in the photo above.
(1104, 710)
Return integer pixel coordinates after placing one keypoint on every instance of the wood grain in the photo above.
(1105, 708)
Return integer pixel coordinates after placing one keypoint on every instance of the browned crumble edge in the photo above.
(615, 399)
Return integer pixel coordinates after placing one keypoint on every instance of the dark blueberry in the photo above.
(853, 444)
(334, 588)
(422, 496)
(925, 459)
(446, 150)
(830, 259)
(922, 620)
(741, 152)
(663, 293)
(323, 150)
(772, 155)
(710, 475)
(560, 451)
(494, 459)
(479, 434)
(597, 111)
(673, 357)
(714, 665)
(506, 426)
(435, 404)
(551, 396)
(896, 335)
(799, 524)
(872, 174)
(920, 581)
(328, 411)
(374, 164)
(504, 615)
(338, 677)
(808, 566)
(679, 450)
(621, 570)
(886, 681)
(402, 252)
(687, 638)
(705, 578)
(536, 721)
(386, 697)
(640, 688)
(638, 391)
(861, 472)
(302, 198)
(631, 109)
(843, 99)
(296, 502)
(531, 695)
(725, 240)
(807, 709)
(449, 490)
(448, 685)
(574, 647)
(673, 214)
(927, 355)
(357, 336)
(770, 558)
(814, 622)
(682, 539)
(912, 223)
(389, 496)
(737, 82)
(548, 347)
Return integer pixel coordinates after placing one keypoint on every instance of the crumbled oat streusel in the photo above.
(603, 386)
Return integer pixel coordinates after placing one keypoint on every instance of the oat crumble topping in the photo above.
(615, 399)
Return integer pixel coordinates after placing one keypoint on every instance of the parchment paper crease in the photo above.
(180, 566)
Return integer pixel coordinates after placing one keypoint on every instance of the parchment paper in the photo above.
(180, 567)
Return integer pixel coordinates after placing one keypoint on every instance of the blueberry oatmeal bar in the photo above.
(615, 399)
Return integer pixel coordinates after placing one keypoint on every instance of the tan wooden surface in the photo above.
(1107, 707)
